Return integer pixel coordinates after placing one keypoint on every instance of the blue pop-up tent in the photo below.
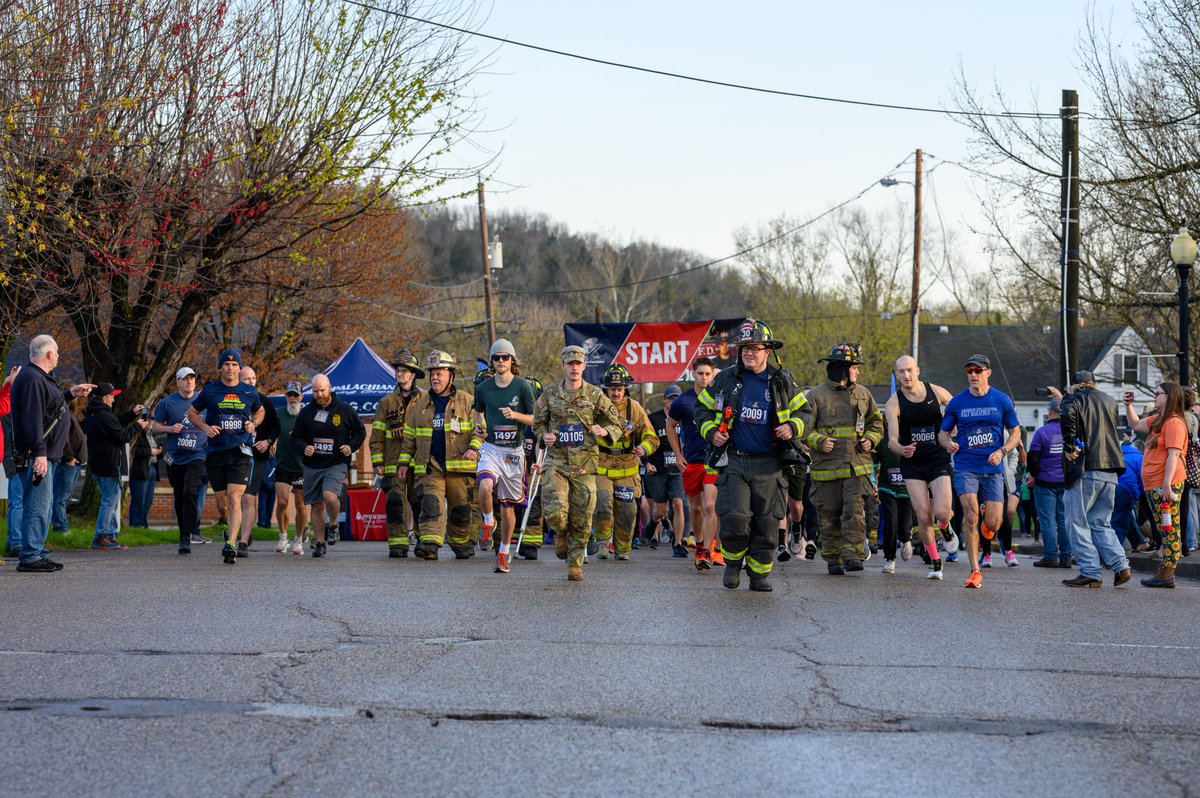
(359, 377)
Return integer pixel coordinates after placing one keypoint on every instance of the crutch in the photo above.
(534, 485)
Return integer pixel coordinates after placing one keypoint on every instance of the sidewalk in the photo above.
(1188, 567)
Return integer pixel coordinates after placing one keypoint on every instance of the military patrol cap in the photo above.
(294, 387)
(572, 353)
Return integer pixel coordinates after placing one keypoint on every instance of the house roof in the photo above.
(1023, 357)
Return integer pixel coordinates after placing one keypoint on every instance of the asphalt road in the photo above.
(144, 672)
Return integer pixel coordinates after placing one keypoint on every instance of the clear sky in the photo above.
(683, 164)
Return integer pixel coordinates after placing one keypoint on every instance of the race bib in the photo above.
(924, 435)
(754, 414)
(231, 422)
(570, 435)
(439, 422)
(669, 458)
(623, 493)
(321, 417)
(323, 445)
(984, 439)
(505, 435)
(189, 439)
(894, 477)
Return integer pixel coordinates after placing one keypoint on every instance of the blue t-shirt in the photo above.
(683, 410)
(983, 423)
(189, 445)
(437, 443)
(751, 431)
(228, 407)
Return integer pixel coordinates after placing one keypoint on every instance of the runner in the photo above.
(503, 406)
(699, 482)
(664, 479)
(326, 434)
(985, 429)
(228, 412)
(184, 455)
(913, 416)
(618, 482)
(289, 474)
(387, 433)
(265, 436)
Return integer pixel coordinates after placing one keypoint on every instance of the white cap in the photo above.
(184, 372)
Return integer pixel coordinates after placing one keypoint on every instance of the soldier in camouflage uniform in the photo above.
(570, 416)
(618, 481)
(387, 430)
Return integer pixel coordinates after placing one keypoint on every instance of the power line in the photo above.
(708, 81)
(711, 263)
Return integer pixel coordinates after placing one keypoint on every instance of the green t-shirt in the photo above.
(490, 397)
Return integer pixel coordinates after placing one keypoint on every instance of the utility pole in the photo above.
(487, 268)
(1068, 350)
(599, 315)
(915, 305)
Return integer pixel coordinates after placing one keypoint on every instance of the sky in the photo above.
(638, 156)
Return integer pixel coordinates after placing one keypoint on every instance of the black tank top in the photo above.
(919, 424)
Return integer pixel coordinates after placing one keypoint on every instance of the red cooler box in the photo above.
(367, 514)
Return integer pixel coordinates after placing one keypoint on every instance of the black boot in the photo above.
(760, 582)
(733, 574)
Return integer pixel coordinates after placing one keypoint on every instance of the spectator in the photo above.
(1163, 470)
(12, 546)
(5, 407)
(1191, 495)
(74, 457)
(1129, 491)
(1049, 487)
(39, 439)
(107, 435)
(1089, 430)
(143, 474)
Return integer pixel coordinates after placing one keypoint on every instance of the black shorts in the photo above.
(293, 478)
(796, 476)
(228, 467)
(663, 486)
(925, 472)
(258, 475)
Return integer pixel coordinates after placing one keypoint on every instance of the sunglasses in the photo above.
(974, 370)
(501, 357)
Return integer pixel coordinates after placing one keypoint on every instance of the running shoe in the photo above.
(691, 541)
(985, 560)
(906, 551)
(282, 546)
(782, 553)
(889, 567)
(501, 563)
(715, 557)
(103, 543)
(951, 539)
(952, 557)
(485, 537)
(810, 550)
(679, 550)
(975, 580)
(935, 570)
(703, 561)
(623, 557)
(229, 554)
(298, 545)
(604, 550)
(242, 549)
(333, 533)
(198, 539)
(1010, 559)
(319, 548)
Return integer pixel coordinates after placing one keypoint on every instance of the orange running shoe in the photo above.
(716, 557)
(501, 563)
(703, 558)
(975, 580)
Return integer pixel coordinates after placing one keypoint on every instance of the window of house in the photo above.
(1128, 369)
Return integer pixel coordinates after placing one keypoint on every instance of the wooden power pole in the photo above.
(1068, 349)
(487, 268)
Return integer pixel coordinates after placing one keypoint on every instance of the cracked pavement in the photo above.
(142, 672)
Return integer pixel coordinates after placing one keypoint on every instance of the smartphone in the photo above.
(1128, 397)
(1042, 391)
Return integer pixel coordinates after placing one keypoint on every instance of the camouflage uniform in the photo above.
(387, 433)
(618, 481)
(569, 481)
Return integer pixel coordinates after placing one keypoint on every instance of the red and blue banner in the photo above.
(654, 351)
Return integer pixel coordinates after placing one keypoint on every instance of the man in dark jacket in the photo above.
(326, 435)
(39, 437)
(1089, 430)
(107, 435)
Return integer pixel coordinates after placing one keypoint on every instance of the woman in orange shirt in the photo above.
(1163, 471)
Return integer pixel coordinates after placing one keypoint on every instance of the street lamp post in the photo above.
(1183, 255)
(915, 302)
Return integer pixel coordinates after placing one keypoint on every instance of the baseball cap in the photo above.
(573, 352)
(294, 387)
(1082, 376)
(229, 355)
(978, 360)
(105, 389)
(671, 391)
(185, 372)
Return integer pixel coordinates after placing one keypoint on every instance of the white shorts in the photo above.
(506, 468)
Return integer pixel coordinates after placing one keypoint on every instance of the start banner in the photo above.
(654, 351)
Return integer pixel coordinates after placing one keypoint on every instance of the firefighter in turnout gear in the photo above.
(753, 417)
(618, 481)
(846, 428)
(440, 446)
(570, 416)
(387, 433)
